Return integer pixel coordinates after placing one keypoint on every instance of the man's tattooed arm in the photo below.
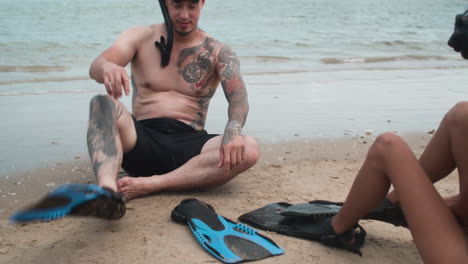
(235, 91)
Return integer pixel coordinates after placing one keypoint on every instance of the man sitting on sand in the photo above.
(162, 144)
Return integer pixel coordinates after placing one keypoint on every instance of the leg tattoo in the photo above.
(102, 132)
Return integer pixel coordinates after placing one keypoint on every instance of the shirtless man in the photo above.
(162, 144)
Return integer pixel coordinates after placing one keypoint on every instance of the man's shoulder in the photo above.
(138, 35)
(223, 47)
(224, 52)
(219, 46)
(143, 31)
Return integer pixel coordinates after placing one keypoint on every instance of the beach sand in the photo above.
(291, 172)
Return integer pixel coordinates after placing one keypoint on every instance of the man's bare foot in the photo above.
(131, 187)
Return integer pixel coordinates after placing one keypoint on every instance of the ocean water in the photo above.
(314, 68)
(55, 40)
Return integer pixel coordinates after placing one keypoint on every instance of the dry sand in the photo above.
(292, 172)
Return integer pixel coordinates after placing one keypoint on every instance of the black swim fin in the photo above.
(317, 209)
(270, 218)
(386, 211)
(228, 241)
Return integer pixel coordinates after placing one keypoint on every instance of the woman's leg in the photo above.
(447, 149)
(450, 148)
(436, 232)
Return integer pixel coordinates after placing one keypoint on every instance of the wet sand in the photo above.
(293, 172)
(50, 125)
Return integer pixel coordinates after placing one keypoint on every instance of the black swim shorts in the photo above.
(163, 145)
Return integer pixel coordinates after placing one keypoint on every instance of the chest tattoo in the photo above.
(199, 70)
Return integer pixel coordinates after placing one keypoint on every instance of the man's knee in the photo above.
(101, 105)
(457, 117)
(251, 151)
(100, 100)
(105, 108)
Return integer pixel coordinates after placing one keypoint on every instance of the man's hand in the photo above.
(232, 150)
(115, 78)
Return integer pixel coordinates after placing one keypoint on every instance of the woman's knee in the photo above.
(457, 117)
(385, 144)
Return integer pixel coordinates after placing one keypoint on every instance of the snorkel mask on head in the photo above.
(459, 39)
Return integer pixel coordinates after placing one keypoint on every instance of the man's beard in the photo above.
(185, 33)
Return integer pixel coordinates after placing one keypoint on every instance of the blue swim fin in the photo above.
(74, 199)
(228, 241)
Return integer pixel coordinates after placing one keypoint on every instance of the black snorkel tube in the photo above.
(164, 47)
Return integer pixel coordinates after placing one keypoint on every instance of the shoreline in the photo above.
(20, 187)
(291, 106)
(53, 152)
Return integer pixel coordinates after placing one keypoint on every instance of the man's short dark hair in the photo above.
(180, 1)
